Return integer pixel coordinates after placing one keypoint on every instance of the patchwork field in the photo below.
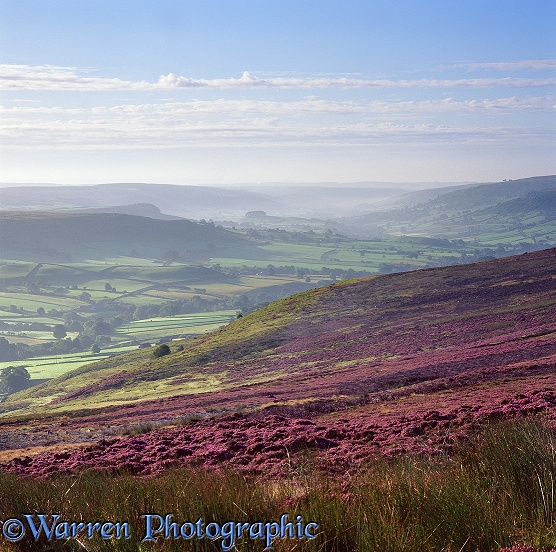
(127, 338)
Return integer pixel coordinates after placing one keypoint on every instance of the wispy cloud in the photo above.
(520, 65)
(167, 132)
(247, 80)
(140, 123)
(51, 77)
(47, 77)
(239, 108)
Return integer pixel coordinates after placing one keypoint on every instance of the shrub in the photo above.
(161, 351)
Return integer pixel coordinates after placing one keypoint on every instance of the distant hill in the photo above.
(194, 202)
(324, 200)
(137, 209)
(543, 201)
(197, 202)
(420, 196)
(72, 236)
(491, 194)
(495, 212)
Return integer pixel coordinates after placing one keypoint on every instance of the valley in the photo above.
(298, 358)
(66, 269)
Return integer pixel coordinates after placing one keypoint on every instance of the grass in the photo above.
(496, 493)
(14, 269)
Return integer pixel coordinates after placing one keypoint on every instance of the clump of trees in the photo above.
(13, 379)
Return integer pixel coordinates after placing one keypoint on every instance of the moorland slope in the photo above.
(409, 362)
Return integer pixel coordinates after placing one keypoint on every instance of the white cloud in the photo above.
(227, 122)
(47, 77)
(249, 81)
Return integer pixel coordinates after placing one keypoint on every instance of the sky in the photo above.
(251, 91)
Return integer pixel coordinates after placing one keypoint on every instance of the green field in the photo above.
(31, 302)
(48, 367)
(126, 339)
(180, 325)
(14, 269)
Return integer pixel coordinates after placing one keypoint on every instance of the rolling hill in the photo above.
(411, 362)
(137, 209)
(502, 213)
(327, 199)
(493, 193)
(540, 201)
(42, 236)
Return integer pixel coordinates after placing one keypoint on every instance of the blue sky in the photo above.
(224, 91)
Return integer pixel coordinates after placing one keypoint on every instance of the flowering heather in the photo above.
(268, 444)
(405, 363)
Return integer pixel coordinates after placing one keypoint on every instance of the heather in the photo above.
(266, 444)
(496, 491)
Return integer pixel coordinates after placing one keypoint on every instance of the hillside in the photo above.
(404, 362)
(491, 194)
(540, 201)
(137, 209)
(41, 236)
(517, 212)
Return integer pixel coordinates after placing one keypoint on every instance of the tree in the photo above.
(41, 311)
(59, 331)
(13, 378)
(95, 349)
(8, 351)
(161, 350)
(73, 321)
